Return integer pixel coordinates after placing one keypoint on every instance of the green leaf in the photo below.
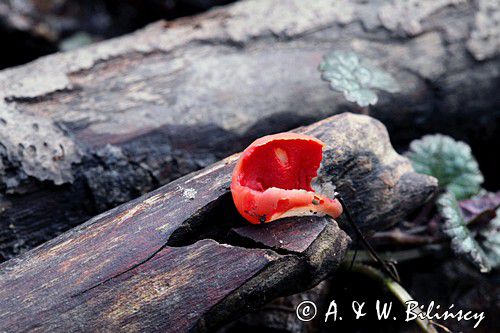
(450, 161)
(463, 242)
(491, 240)
(356, 77)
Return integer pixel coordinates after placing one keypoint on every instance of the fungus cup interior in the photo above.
(272, 179)
(282, 163)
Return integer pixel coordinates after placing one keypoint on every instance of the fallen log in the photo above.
(34, 28)
(181, 257)
(99, 126)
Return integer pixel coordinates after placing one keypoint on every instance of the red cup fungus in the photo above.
(272, 179)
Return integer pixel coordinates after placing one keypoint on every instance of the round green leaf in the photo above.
(356, 77)
(450, 161)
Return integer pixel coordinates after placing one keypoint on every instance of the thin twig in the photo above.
(424, 214)
(396, 256)
(365, 243)
(407, 237)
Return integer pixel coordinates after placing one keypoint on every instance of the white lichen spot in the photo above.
(189, 193)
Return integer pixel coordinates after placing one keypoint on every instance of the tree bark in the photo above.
(84, 131)
(182, 258)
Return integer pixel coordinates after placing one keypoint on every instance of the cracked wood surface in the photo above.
(99, 126)
(182, 258)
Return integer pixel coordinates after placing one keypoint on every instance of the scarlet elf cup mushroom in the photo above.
(272, 179)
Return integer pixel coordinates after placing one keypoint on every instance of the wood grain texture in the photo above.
(299, 234)
(99, 126)
(167, 261)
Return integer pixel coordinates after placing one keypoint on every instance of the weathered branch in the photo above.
(176, 97)
(182, 258)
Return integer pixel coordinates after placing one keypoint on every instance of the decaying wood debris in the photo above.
(182, 258)
(99, 126)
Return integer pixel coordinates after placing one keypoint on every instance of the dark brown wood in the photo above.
(178, 96)
(299, 235)
(170, 260)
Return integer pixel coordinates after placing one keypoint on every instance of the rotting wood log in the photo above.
(182, 258)
(53, 21)
(83, 131)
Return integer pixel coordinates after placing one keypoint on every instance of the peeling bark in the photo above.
(182, 258)
(136, 112)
